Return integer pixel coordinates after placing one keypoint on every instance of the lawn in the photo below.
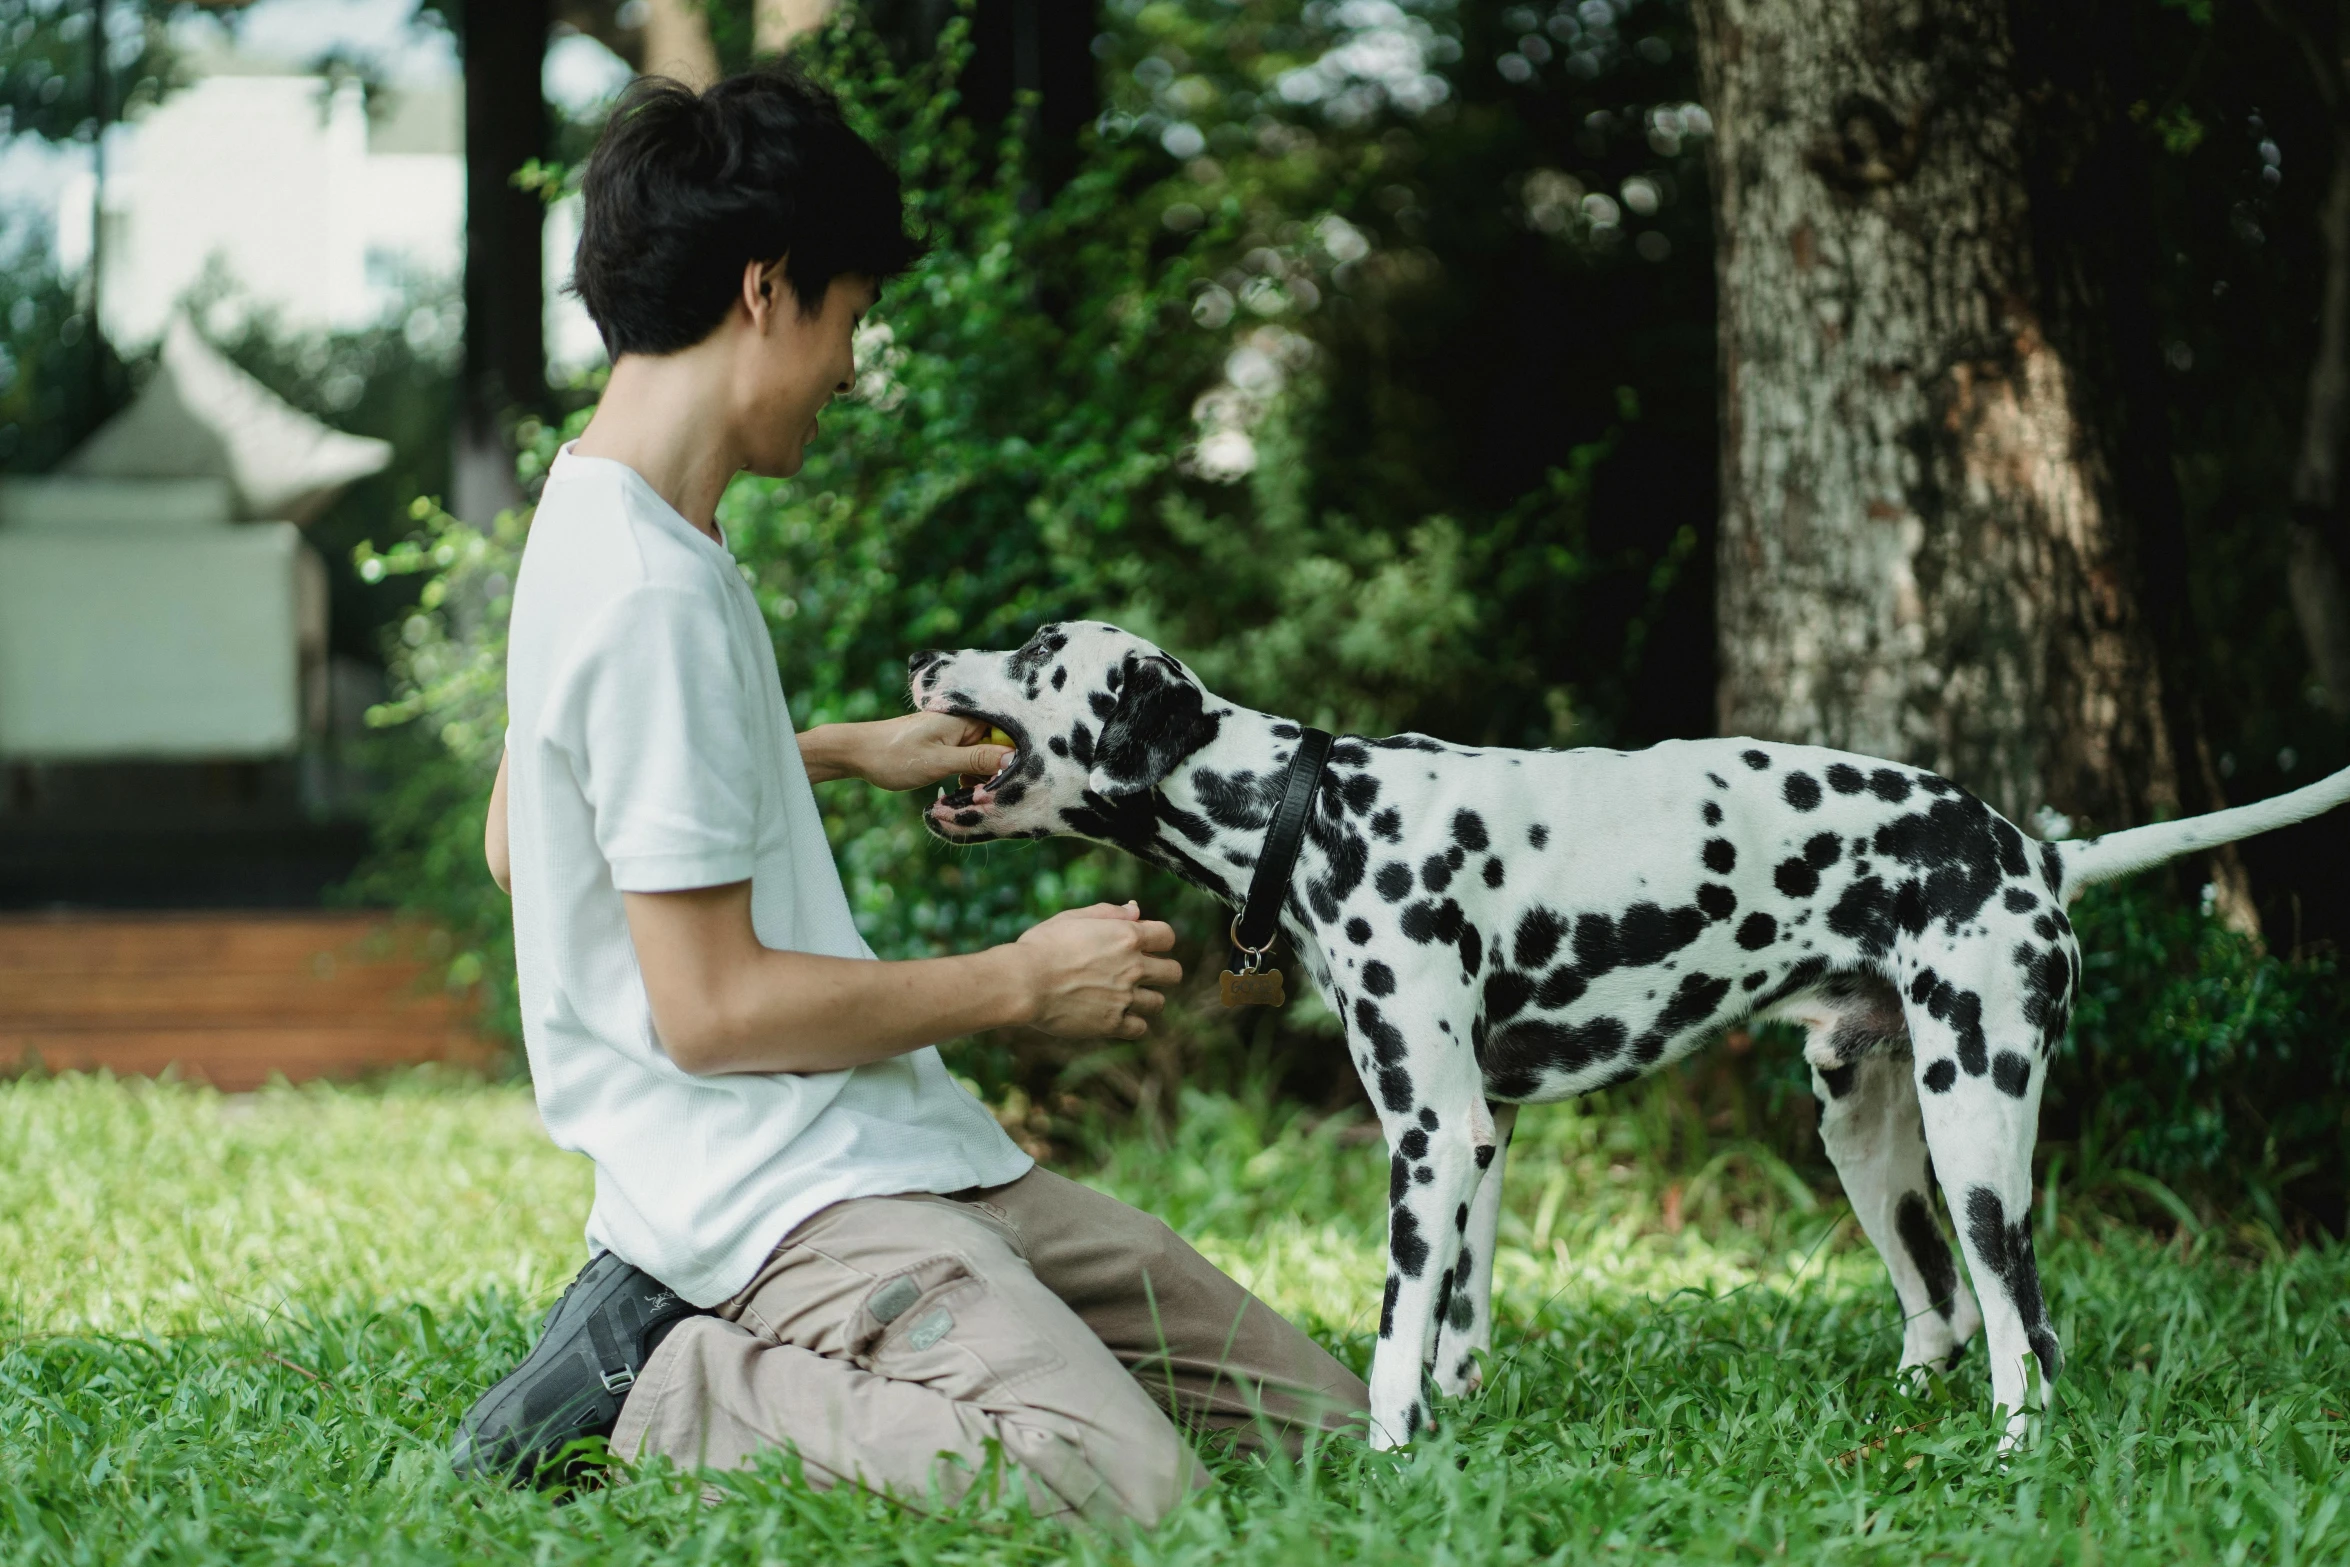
(243, 1330)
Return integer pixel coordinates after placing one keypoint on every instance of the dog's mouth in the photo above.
(973, 793)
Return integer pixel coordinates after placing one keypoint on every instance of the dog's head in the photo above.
(1098, 716)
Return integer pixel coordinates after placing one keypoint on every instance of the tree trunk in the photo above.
(2313, 560)
(1923, 551)
(505, 331)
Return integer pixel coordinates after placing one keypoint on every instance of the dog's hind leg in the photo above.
(1464, 1330)
(1980, 1073)
(1870, 1123)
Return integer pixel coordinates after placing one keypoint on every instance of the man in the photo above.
(885, 1282)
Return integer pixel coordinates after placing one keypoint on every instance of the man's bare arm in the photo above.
(722, 1002)
(900, 753)
(493, 835)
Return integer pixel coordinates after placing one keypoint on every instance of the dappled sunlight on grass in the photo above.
(244, 1330)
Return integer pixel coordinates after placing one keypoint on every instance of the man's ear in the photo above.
(764, 288)
(1160, 719)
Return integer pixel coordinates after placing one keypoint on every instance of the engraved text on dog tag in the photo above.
(1261, 989)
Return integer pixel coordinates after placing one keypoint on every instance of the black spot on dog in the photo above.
(1395, 1089)
(1435, 873)
(1493, 870)
(1388, 824)
(1757, 931)
(1102, 703)
(1718, 901)
(2006, 1249)
(2048, 991)
(1941, 1075)
(1802, 791)
(1845, 778)
(1889, 786)
(1717, 780)
(2052, 868)
(1538, 835)
(1539, 934)
(2019, 901)
(1755, 759)
(1428, 1118)
(1928, 1252)
(1378, 978)
(1485, 1156)
(1863, 914)
(1839, 1079)
(1058, 745)
(1359, 791)
(1517, 1054)
(1351, 752)
(1413, 1144)
(1821, 849)
(1399, 1179)
(1796, 878)
(1387, 1307)
(2012, 1073)
(2044, 926)
(1358, 931)
(1696, 1000)
(1404, 1242)
(1962, 1010)
(1754, 981)
(1644, 934)
(1472, 951)
(1936, 784)
(1468, 830)
(1428, 923)
(1506, 993)
(1060, 677)
(1287, 731)
(1561, 987)
(1721, 856)
(968, 818)
(1393, 881)
(1712, 814)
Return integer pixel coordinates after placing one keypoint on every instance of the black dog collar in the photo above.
(1259, 921)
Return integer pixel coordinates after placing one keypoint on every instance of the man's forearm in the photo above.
(724, 1002)
(831, 751)
(795, 1012)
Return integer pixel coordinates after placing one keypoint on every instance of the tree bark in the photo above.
(1923, 553)
(2313, 557)
(505, 44)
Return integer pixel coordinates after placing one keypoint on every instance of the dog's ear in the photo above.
(1161, 718)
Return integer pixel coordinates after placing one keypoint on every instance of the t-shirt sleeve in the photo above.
(656, 719)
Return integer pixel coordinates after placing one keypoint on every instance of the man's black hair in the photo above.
(685, 187)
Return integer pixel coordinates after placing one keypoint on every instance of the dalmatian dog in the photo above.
(1501, 927)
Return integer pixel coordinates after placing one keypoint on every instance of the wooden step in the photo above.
(231, 999)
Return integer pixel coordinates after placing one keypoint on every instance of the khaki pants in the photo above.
(891, 1339)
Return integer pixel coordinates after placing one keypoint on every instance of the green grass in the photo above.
(243, 1330)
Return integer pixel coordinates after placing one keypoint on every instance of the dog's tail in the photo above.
(2092, 860)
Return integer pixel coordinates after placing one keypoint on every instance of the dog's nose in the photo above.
(923, 660)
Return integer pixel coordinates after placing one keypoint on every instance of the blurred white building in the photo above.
(311, 202)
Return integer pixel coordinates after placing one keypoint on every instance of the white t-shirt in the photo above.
(649, 750)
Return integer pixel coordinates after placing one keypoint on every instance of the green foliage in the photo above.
(2201, 1062)
(274, 1377)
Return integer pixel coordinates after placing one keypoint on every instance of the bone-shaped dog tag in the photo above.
(1261, 989)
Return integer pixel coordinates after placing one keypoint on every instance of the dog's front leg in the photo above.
(1466, 1330)
(1432, 1175)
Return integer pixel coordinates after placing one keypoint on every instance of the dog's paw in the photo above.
(1462, 1375)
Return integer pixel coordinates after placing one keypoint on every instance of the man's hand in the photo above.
(1090, 967)
(901, 753)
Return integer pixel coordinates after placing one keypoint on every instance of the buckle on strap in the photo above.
(619, 1381)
